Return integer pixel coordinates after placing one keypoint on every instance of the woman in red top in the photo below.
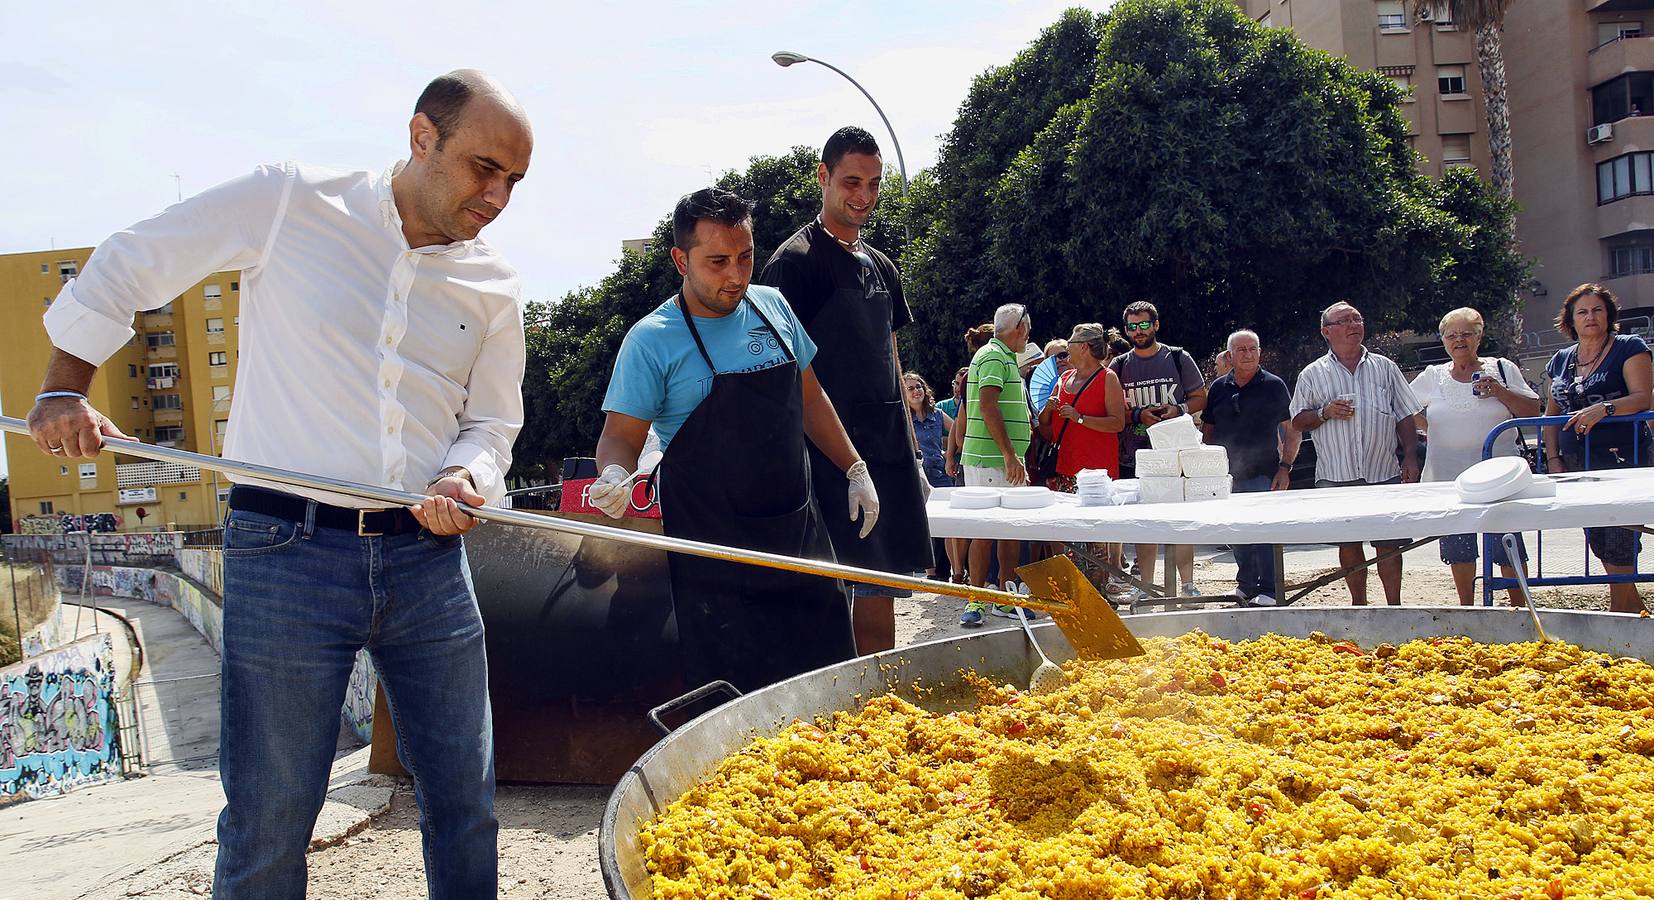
(1087, 411)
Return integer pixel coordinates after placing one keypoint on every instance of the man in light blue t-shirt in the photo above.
(721, 372)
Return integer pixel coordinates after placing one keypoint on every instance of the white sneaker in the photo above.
(1263, 600)
(1189, 590)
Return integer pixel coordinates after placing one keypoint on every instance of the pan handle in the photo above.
(700, 693)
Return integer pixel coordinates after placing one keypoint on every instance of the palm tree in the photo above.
(1487, 18)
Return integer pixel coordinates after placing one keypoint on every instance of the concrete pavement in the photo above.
(117, 839)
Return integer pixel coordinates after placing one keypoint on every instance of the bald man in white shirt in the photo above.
(381, 342)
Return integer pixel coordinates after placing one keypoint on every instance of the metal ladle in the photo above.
(1048, 676)
(1521, 567)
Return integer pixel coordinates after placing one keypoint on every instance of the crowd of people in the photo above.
(1020, 415)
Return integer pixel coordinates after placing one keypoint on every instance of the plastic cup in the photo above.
(1348, 398)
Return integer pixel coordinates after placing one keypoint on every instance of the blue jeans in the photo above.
(298, 603)
(1255, 563)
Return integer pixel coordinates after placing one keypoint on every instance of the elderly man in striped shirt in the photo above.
(1360, 408)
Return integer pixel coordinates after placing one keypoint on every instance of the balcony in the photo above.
(1633, 291)
(1615, 58)
(1634, 213)
(161, 382)
(1593, 6)
(1630, 135)
(169, 417)
(158, 320)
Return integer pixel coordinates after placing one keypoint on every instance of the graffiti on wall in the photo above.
(205, 566)
(358, 710)
(39, 525)
(157, 587)
(57, 723)
(145, 548)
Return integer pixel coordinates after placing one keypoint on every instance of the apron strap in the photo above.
(695, 333)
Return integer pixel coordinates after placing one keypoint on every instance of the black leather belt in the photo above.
(365, 522)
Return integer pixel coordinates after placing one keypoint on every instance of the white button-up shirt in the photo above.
(360, 359)
(1362, 448)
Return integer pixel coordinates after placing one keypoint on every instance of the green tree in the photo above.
(1224, 170)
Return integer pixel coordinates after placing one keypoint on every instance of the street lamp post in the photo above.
(784, 58)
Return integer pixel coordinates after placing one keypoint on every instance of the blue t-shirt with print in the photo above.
(660, 376)
(1606, 382)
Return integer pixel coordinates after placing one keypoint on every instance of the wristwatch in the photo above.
(1285, 466)
(1608, 406)
(1079, 420)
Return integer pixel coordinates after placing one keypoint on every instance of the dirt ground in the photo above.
(548, 835)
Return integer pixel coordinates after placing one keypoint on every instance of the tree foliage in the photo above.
(1171, 150)
(1231, 174)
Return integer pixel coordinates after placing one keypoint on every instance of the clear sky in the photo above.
(633, 104)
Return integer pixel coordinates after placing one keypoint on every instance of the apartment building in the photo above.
(1581, 76)
(1417, 45)
(170, 385)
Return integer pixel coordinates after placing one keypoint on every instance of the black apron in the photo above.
(857, 370)
(735, 474)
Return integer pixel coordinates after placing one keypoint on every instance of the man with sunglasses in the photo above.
(1160, 382)
(849, 297)
(1248, 413)
(1360, 408)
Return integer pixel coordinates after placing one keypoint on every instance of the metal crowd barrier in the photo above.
(1492, 583)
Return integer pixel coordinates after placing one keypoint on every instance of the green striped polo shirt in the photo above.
(995, 366)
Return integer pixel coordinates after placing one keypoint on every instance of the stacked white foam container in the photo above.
(1179, 467)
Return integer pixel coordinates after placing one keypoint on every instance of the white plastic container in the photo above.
(1174, 434)
(1027, 498)
(1159, 489)
(1207, 487)
(974, 498)
(1205, 461)
(1159, 463)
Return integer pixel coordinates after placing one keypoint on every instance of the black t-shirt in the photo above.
(1606, 382)
(1246, 421)
(811, 264)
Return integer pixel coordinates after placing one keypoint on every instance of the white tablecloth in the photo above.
(1325, 515)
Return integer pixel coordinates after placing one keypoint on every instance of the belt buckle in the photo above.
(361, 523)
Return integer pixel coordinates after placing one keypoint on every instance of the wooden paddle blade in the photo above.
(1085, 618)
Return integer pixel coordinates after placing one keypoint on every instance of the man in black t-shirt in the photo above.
(849, 298)
(1249, 414)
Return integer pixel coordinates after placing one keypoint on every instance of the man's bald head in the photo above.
(445, 99)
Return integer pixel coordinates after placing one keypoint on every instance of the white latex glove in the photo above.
(612, 491)
(924, 481)
(863, 498)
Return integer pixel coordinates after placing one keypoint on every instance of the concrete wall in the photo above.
(204, 610)
(149, 548)
(205, 566)
(57, 724)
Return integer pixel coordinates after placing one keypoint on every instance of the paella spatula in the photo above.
(1057, 585)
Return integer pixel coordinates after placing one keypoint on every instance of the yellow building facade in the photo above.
(170, 385)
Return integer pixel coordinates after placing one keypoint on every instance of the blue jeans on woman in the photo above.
(299, 601)
(1254, 563)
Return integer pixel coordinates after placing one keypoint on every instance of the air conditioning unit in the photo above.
(1600, 134)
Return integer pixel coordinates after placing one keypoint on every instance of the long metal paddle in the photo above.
(1057, 585)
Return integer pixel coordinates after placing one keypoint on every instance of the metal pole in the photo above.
(395, 498)
(17, 615)
(901, 163)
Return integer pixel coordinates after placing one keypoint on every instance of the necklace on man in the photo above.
(848, 245)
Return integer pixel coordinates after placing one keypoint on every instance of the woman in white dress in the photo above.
(1463, 400)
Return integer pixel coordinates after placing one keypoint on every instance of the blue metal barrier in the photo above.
(1492, 583)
